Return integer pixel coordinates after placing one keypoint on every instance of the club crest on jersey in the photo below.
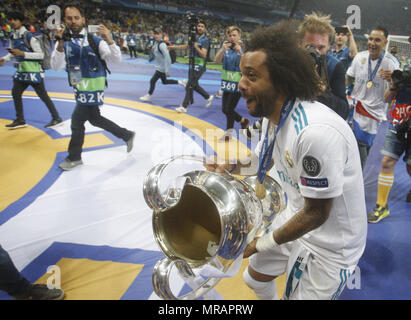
(363, 60)
(288, 159)
(311, 166)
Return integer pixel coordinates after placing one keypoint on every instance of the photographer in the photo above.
(162, 58)
(316, 34)
(18, 287)
(132, 44)
(342, 52)
(201, 48)
(397, 140)
(84, 57)
(230, 55)
(27, 54)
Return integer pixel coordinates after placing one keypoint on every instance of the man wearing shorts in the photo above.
(397, 142)
(318, 240)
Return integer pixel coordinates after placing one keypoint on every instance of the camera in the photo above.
(191, 18)
(66, 35)
(192, 21)
(92, 28)
(401, 79)
(316, 56)
(319, 61)
(404, 132)
(342, 30)
(232, 46)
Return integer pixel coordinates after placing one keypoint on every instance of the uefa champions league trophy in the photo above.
(203, 225)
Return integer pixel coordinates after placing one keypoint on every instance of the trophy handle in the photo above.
(151, 185)
(161, 283)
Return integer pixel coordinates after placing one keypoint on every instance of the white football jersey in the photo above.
(316, 156)
(372, 98)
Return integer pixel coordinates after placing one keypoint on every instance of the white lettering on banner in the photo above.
(231, 75)
(354, 21)
(54, 281)
(231, 86)
(82, 98)
(85, 84)
(54, 21)
(91, 98)
(100, 96)
(33, 77)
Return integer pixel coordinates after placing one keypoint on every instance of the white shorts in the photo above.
(308, 277)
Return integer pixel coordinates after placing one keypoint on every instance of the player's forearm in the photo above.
(219, 56)
(314, 214)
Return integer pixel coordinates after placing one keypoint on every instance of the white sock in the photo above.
(263, 290)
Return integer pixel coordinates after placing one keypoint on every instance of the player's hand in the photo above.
(386, 75)
(217, 165)
(2, 62)
(250, 249)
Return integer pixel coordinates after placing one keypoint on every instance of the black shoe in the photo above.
(130, 141)
(408, 199)
(54, 123)
(16, 124)
(40, 292)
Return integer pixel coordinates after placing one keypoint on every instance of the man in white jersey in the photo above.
(370, 73)
(318, 240)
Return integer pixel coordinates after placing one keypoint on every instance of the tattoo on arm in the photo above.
(314, 214)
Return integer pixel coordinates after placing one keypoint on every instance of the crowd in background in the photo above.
(123, 20)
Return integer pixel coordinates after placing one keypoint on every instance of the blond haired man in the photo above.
(230, 55)
(316, 34)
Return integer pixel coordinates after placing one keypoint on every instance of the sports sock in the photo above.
(385, 182)
(263, 290)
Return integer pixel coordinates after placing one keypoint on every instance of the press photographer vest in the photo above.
(200, 62)
(90, 91)
(131, 40)
(231, 73)
(27, 70)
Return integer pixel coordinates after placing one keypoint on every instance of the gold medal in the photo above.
(369, 84)
(260, 191)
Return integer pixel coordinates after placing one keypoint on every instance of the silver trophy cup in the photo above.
(205, 222)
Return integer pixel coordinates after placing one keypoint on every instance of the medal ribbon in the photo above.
(371, 74)
(267, 149)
